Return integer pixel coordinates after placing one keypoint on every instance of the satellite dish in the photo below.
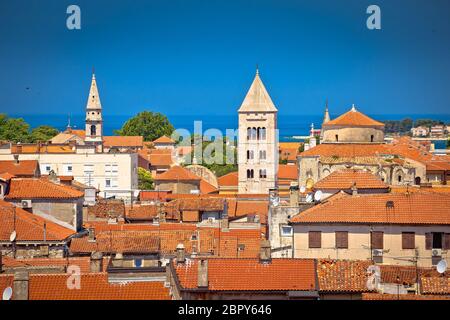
(7, 293)
(302, 189)
(441, 266)
(13, 236)
(309, 198)
(318, 195)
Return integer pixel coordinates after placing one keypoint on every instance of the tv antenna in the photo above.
(309, 198)
(7, 294)
(302, 189)
(442, 266)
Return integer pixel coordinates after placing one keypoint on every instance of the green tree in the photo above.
(150, 125)
(14, 129)
(448, 144)
(43, 133)
(145, 179)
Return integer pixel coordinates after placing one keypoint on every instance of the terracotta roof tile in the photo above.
(117, 242)
(380, 296)
(414, 208)
(25, 168)
(345, 179)
(206, 187)
(164, 140)
(40, 188)
(353, 118)
(288, 172)
(42, 148)
(28, 227)
(123, 141)
(107, 208)
(228, 180)
(94, 286)
(435, 284)
(251, 275)
(342, 275)
(83, 262)
(177, 173)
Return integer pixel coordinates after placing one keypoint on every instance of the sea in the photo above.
(291, 127)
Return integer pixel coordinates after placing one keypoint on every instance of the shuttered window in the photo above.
(377, 240)
(447, 241)
(428, 241)
(408, 240)
(315, 239)
(341, 239)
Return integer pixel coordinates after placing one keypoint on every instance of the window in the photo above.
(408, 240)
(341, 239)
(250, 154)
(111, 169)
(88, 174)
(108, 183)
(377, 239)
(93, 130)
(138, 263)
(249, 133)
(337, 138)
(286, 231)
(68, 169)
(315, 239)
(46, 168)
(262, 155)
(399, 178)
(250, 174)
(263, 173)
(371, 138)
(437, 240)
(263, 133)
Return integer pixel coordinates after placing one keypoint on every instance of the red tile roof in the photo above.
(40, 188)
(342, 275)
(25, 168)
(242, 208)
(123, 141)
(28, 227)
(288, 172)
(83, 262)
(438, 284)
(251, 275)
(164, 140)
(153, 195)
(380, 296)
(353, 118)
(345, 179)
(228, 180)
(117, 242)
(177, 173)
(206, 187)
(107, 208)
(94, 286)
(414, 208)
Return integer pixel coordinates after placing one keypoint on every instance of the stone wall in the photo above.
(353, 134)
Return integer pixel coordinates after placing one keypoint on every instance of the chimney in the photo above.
(53, 177)
(91, 235)
(202, 280)
(354, 190)
(293, 194)
(224, 222)
(96, 262)
(181, 254)
(16, 159)
(20, 285)
(265, 255)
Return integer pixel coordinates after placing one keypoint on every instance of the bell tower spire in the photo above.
(94, 120)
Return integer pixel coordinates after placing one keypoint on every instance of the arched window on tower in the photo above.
(263, 173)
(262, 154)
(250, 154)
(93, 130)
(249, 133)
(254, 134)
(263, 133)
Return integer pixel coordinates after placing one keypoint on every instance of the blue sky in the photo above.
(199, 57)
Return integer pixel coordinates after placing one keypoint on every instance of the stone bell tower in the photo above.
(94, 121)
(258, 141)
